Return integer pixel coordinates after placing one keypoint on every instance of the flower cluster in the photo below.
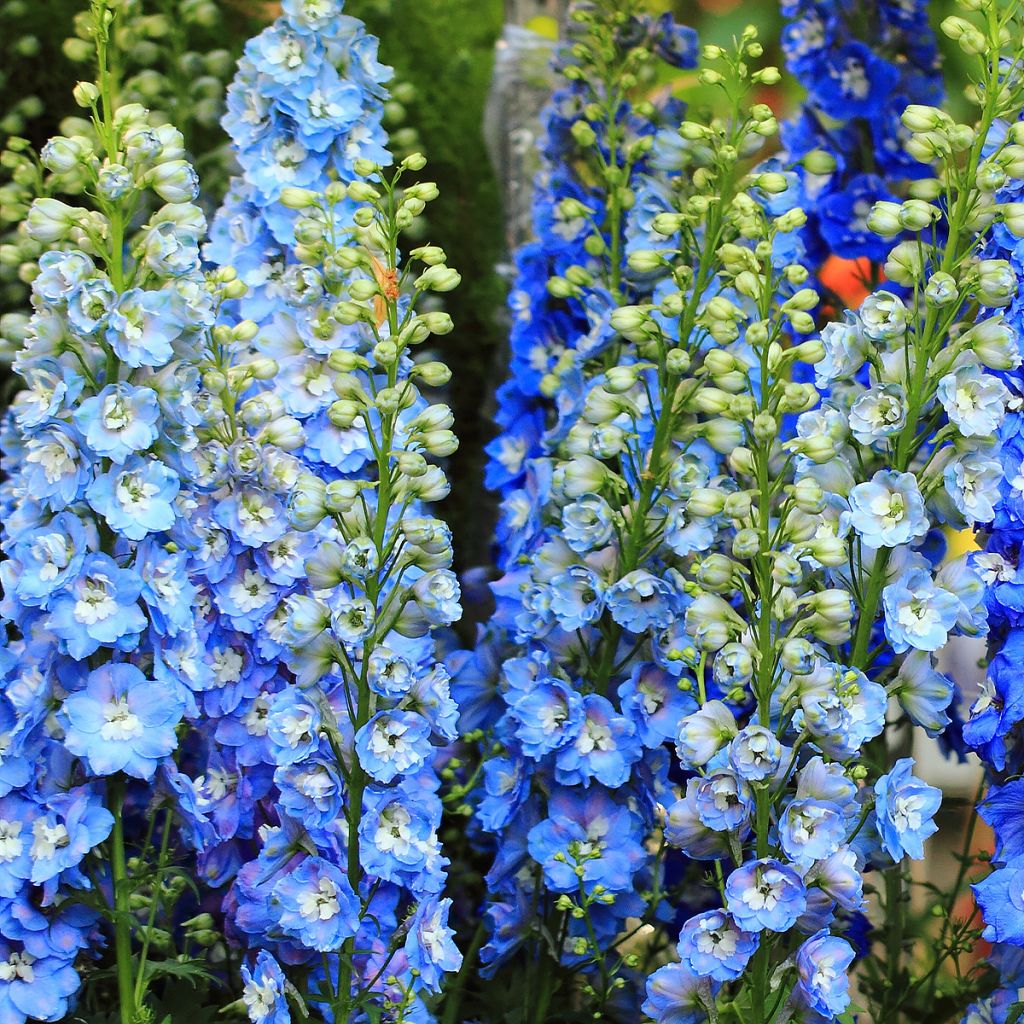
(321, 574)
(860, 70)
(96, 529)
(567, 798)
(306, 103)
(994, 726)
(729, 538)
(174, 64)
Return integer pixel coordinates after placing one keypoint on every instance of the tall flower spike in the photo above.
(994, 728)
(96, 533)
(826, 594)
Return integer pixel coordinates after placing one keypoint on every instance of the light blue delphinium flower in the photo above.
(904, 811)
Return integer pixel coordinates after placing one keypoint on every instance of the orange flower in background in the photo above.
(847, 279)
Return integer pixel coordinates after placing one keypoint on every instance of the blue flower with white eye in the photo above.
(430, 942)
(765, 894)
(33, 987)
(293, 725)
(119, 421)
(823, 983)
(52, 466)
(62, 273)
(437, 595)
(918, 613)
(975, 402)
(713, 946)
(725, 802)
(99, 608)
(888, 510)
(548, 716)
(17, 818)
(846, 349)
(605, 747)
(587, 523)
(252, 515)
(68, 826)
(90, 306)
(592, 830)
(883, 316)
(972, 481)
(396, 832)
(314, 904)
(142, 327)
(49, 558)
(577, 597)
(904, 811)
(311, 792)
(652, 701)
(676, 995)
(136, 498)
(878, 414)
(389, 674)
(393, 743)
(755, 753)
(641, 601)
(264, 991)
(811, 829)
(122, 722)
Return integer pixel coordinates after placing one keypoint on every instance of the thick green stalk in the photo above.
(122, 905)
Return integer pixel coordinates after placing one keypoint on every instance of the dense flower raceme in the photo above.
(994, 727)
(318, 802)
(861, 66)
(306, 103)
(774, 600)
(178, 67)
(324, 583)
(607, 175)
(99, 457)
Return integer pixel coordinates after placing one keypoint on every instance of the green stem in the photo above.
(122, 905)
(140, 976)
(453, 1000)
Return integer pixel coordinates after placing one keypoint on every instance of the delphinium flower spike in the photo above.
(829, 594)
(96, 579)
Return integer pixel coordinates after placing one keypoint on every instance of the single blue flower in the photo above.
(888, 510)
(314, 904)
(430, 943)
(765, 894)
(136, 498)
(918, 613)
(122, 721)
(713, 946)
(821, 963)
(904, 811)
(264, 992)
(119, 421)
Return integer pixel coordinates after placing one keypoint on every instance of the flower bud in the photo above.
(434, 374)
(746, 544)
(819, 161)
(174, 181)
(50, 220)
(705, 502)
(298, 198)
(808, 496)
(905, 264)
(86, 94)
(715, 573)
